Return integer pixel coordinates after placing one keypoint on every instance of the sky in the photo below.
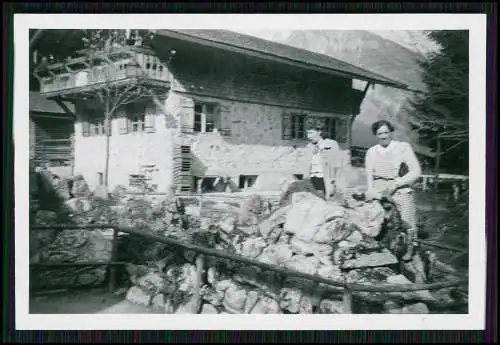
(413, 40)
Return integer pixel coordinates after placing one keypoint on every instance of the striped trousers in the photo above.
(405, 203)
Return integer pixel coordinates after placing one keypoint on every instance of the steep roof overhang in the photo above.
(277, 52)
(285, 54)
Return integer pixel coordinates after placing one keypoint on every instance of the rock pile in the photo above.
(70, 201)
(308, 235)
(353, 241)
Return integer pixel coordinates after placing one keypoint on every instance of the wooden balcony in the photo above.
(112, 69)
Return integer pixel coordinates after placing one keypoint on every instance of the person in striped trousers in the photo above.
(385, 176)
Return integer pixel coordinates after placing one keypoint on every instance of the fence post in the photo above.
(112, 268)
(347, 296)
(197, 290)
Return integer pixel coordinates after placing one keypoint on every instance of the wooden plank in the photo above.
(275, 268)
(118, 83)
(49, 265)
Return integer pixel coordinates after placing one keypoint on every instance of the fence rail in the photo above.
(348, 288)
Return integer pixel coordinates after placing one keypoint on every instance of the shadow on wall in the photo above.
(198, 168)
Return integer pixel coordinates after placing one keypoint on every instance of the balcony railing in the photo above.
(115, 66)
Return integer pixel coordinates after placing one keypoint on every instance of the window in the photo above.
(137, 117)
(293, 126)
(246, 181)
(205, 117)
(213, 184)
(298, 176)
(97, 127)
(137, 122)
(93, 126)
(330, 128)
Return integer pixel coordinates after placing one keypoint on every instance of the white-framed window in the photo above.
(97, 127)
(137, 117)
(205, 117)
(293, 126)
(137, 122)
(93, 125)
(246, 181)
(201, 117)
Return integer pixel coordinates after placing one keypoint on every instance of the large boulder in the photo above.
(234, 300)
(368, 217)
(333, 231)
(277, 218)
(308, 213)
(290, 300)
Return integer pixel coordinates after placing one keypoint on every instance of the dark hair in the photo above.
(381, 123)
(321, 129)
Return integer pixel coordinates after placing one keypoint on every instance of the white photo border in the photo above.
(475, 23)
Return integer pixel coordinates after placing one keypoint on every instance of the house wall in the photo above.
(252, 98)
(56, 156)
(255, 145)
(251, 106)
(244, 79)
(128, 153)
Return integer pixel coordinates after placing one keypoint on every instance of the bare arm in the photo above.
(414, 169)
(369, 168)
(336, 158)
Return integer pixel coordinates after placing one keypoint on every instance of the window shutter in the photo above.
(85, 128)
(85, 123)
(341, 130)
(286, 126)
(224, 112)
(149, 118)
(333, 128)
(186, 115)
(122, 121)
(183, 169)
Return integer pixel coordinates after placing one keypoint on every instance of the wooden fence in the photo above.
(348, 288)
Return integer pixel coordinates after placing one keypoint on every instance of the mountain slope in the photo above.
(372, 52)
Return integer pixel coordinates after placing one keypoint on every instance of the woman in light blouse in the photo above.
(384, 163)
(323, 168)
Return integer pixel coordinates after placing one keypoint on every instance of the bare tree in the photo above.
(111, 94)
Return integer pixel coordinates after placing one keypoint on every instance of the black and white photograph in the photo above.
(236, 166)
